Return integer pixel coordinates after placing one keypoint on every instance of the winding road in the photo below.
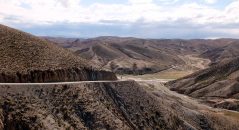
(78, 82)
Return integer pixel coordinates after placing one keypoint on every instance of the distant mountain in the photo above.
(26, 58)
(64, 42)
(133, 55)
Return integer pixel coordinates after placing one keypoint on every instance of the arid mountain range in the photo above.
(140, 56)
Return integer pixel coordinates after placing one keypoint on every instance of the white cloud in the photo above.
(69, 3)
(144, 11)
(211, 1)
(50, 11)
(166, 1)
(140, 1)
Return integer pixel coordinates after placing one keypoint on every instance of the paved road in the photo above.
(78, 82)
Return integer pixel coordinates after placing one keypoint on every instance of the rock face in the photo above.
(64, 75)
(26, 58)
(93, 106)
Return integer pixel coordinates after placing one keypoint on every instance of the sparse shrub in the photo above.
(113, 66)
(135, 68)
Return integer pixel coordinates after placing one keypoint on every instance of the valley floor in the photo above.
(192, 63)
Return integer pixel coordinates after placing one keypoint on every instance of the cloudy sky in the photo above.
(137, 18)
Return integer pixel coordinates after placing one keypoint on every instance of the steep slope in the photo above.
(134, 55)
(117, 105)
(26, 58)
(217, 85)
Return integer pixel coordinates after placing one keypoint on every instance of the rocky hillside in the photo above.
(140, 56)
(217, 85)
(119, 105)
(26, 58)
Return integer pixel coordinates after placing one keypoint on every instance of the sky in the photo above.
(184, 19)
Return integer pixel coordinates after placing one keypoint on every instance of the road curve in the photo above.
(59, 83)
(78, 82)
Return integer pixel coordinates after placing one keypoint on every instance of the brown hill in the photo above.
(134, 55)
(26, 58)
(119, 105)
(215, 85)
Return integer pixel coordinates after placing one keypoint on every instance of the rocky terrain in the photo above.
(36, 92)
(217, 85)
(117, 105)
(141, 56)
(26, 58)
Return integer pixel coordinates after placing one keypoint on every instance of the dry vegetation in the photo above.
(122, 105)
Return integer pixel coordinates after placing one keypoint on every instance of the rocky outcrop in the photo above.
(59, 75)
